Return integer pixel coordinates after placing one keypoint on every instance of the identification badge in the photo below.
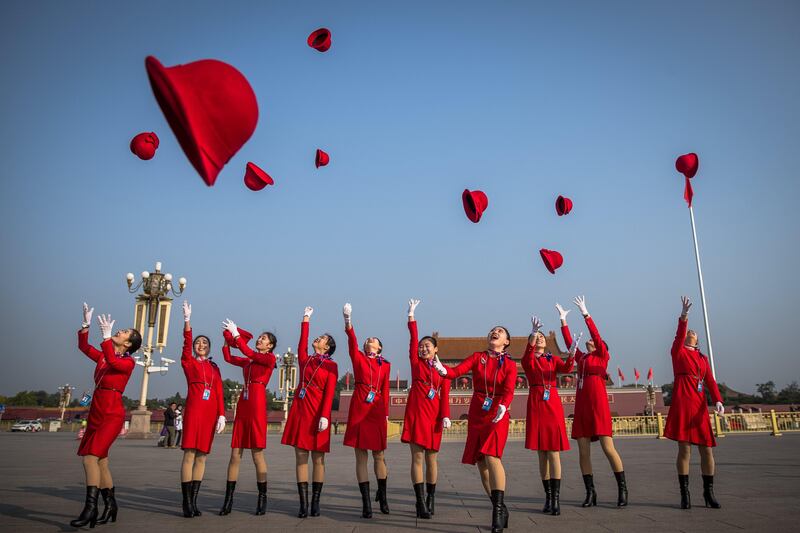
(546, 395)
(302, 393)
(700, 386)
(86, 399)
(431, 393)
(244, 394)
(206, 394)
(487, 404)
(370, 397)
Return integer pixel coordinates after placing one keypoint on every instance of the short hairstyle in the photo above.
(271, 338)
(331, 344)
(429, 338)
(507, 335)
(379, 344)
(135, 338)
(202, 337)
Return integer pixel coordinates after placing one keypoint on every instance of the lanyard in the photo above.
(310, 380)
(371, 387)
(203, 368)
(551, 371)
(697, 377)
(496, 371)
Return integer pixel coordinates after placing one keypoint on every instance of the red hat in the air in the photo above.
(563, 205)
(144, 145)
(475, 203)
(552, 259)
(320, 39)
(210, 107)
(230, 341)
(321, 159)
(687, 164)
(255, 178)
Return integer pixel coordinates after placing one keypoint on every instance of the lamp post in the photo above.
(287, 381)
(66, 394)
(151, 312)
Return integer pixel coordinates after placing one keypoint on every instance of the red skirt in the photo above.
(592, 418)
(688, 419)
(545, 428)
(366, 422)
(421, 423)
(199, 421)
(303, 422)
(483, 436)
(106, 418)
(250, 425)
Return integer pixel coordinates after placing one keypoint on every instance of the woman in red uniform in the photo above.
(106, 415)
(368, 416)
(592, 420)
(308, 426)
(427, 414)
(545, 431)
(250, 424)
(688, 421)
(205, 412)
(494, 375)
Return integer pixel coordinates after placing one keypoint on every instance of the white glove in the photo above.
(347, 310)
(308, 311)
(412, 305)
(580, 301)
(574, 346)
(719, 408)
(106, 325)
(687, 303)
(220, 424)
(562, 313)
(501, 412)
(231, 327)
(536, 325)
(446, 423)
(87, 315)
(439, 366)
(323, 424)
(187, 311)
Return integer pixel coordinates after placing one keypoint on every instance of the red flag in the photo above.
(347, 380)
(621, 375)
(650, 374)
(398, 380)
(688, 193)
(635, 374)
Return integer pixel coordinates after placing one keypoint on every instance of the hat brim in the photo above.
(255, 178)
(548, 259)
(320, 40)
(473, 211)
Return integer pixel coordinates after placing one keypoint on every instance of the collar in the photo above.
(323, 356)
(378, 357)
(546, 355)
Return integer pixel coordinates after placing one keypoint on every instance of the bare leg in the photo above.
(544, 471)
(497, 474)
(361, 465)
(105, 474)
(684, 455)
(92, 470)
(706, 460)
(585, 455)
(234, 463)
(607, 443)
(318, 458)
(301, 465)
(554, 463)
(417, 459)
(199, 466)
(260, 463)
(379, 460)
(432, 464)
(186, 465)
(483, 468)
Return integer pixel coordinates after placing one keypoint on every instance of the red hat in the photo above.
(144, 145)
(687, 164)
(230, 341)
(210, 107)
(552, 259)
(321, 158)
(563, 205)
(475, 203)
(320, 39)
(255, 178)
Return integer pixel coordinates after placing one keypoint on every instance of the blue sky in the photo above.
(414, 102)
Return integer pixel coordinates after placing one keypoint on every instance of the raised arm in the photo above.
(302, 345)
(461, 368)
(330, 391)
(123, 364)
(352, 343)
(599, 343)
(83, 345)
(564, 366)
(413, 345)
(232, 359)
(267, 359)
(683, 324)
(186, 356)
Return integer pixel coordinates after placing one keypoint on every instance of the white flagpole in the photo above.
(702, 294)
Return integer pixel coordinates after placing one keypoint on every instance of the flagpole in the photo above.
(702, 293)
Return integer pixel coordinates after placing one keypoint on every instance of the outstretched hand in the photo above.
(580, 301)
(573, 348)
(308, 311)
(687, 304)
(230, 326)
(536, 325)
(562, 313)
(106, 325)
(87, 315)
(412, 306)
(187, 311)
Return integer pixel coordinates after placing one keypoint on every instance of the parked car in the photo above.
(27, 425)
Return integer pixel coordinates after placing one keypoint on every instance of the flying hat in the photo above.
(687, 164)
(255, 178)
(563, 205)
(320, 39)
(321, 159)
(475, 203)
(144, 145)
(230, 341)
(552, 259)
(210, 107)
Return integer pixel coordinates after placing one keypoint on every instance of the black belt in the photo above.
(543, 385)
(260, 382)
(109, 388)
(199, 383)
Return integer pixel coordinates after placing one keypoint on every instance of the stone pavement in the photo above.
(758, 484)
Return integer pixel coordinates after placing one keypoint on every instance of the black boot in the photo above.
(366, 504)
(547, 496)
(316, 490)
(686, 498)
(302, 491)
(430, 500)
(195, 492)
(186, 491)
(422, 508)
(89, 513)
(498, 516)
(230, 486)
(591, 495)
(380, 496)
(261, 504)
(622, 489)
(109, 506)
(555, 490)
(708, 492)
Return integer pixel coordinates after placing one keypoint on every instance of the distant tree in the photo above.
(766, 391)
(273, 404)
(177, 398)
(790, 393)
(227, 392)
(666, 390)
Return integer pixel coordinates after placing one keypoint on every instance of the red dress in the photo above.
(366, 422)
(688, 419)
(422, 423)
(318, 376)
(250, 425)
(200, 416)
(495, 380)
(545, 429)
(592, 415)
(106, 413)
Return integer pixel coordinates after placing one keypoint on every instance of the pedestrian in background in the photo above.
(169, 423)
(178, 425)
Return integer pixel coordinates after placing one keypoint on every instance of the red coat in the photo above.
(422, 424)
(545, 429)
(250, 425)
(200, 416)
(688, 419)
(318, 376)
(366, 422)
(592, 416)
(106, 413)
(490, 379)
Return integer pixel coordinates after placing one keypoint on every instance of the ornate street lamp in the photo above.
(287, 381)
(237, 391)
(65, 394)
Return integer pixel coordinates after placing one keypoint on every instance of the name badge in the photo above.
(206, 394)
(370, 397)
(86, 399)
(244, 394)
(487, 404)
(431, 393)
(700, 386)
(302, 393)
(546, 395)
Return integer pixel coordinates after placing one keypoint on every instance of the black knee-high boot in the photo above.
(186, 492)
(708, 492)
(430, 500)
(622, 489)
(230, 486)
(591, 494)
(302, 491)
(555, 492)
(422, 508)
(381, 495)
(498, 516)
(366, 504)
(316, 491)
(89, 513)
(548, 500)
(686, 498)
(109, 506)
(195, 491)
(261, 503)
